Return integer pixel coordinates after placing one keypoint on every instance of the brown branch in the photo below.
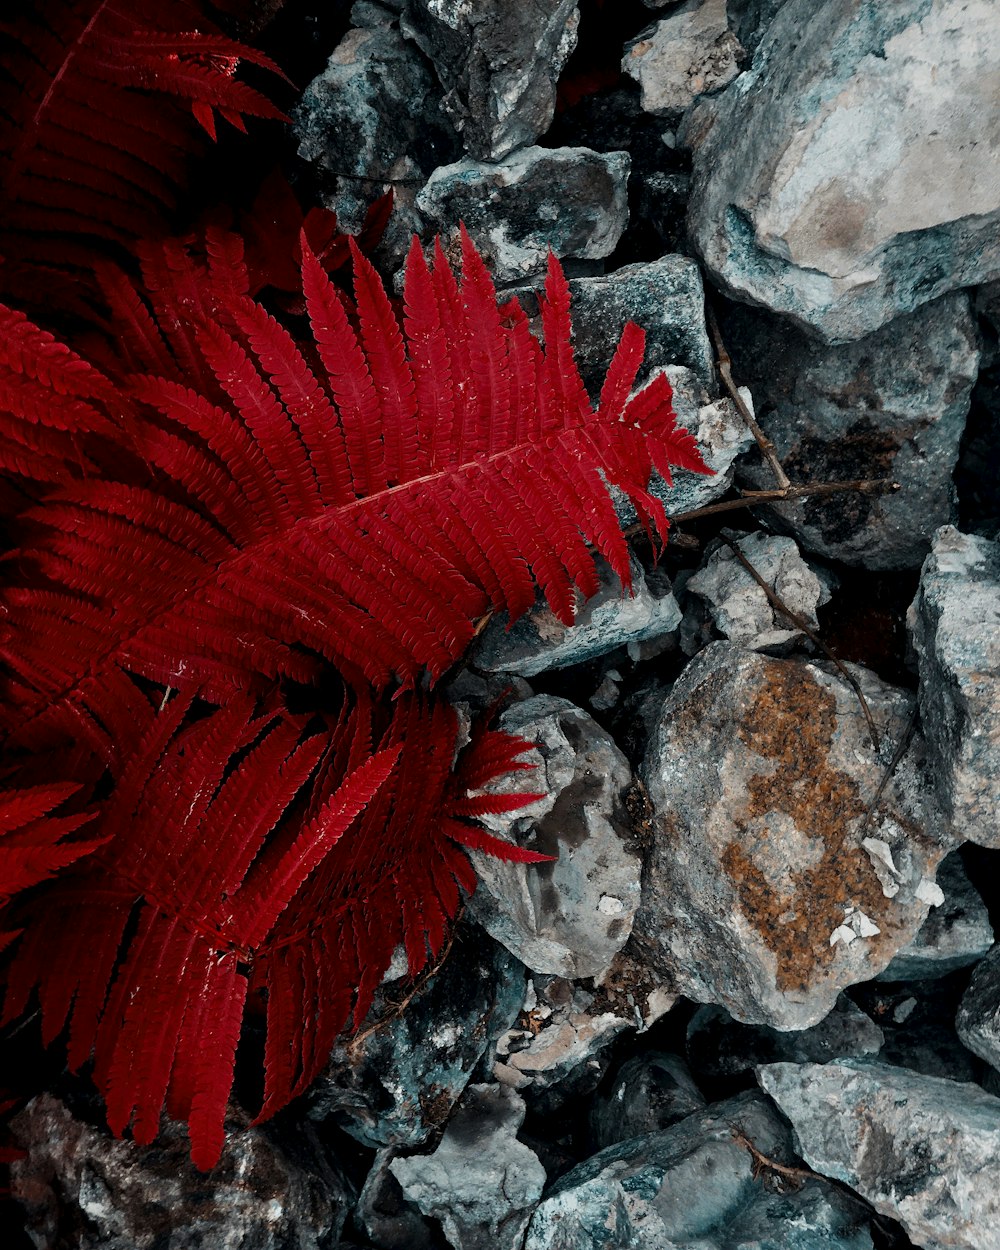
(764, 1163)
(786, 494)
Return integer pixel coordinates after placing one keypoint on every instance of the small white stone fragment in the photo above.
(842, 933)
(864, 925)
(930, 892)
(610, 906)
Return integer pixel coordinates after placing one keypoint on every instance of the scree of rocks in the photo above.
(754, 1001)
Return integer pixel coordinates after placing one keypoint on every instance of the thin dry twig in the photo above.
(785, 494)
(764, 1163)
(900, 751)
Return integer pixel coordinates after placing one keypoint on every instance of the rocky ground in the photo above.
(754, 1004)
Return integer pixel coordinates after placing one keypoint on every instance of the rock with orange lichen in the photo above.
(779, 874)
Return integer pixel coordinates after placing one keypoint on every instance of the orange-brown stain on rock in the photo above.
(792, 722)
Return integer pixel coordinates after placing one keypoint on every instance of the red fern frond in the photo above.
(33, 842)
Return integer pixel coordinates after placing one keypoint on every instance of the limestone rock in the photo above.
(690, 52)
(922, 1150)
(572, 916)
(571, 200)
(978, 1019)
(955, 626)
(812, 194)
(498, 64)
(649, 1093)
(770, 887)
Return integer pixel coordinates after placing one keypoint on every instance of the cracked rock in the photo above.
(978, 1019)
(689, 53)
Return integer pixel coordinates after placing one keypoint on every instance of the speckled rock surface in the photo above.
(688, 53)
(767, 890)
(955, 625)
(572, 916)
(571, 200)
(922, 1150)
(978, 1018)
(648, 1093)
(811, 193)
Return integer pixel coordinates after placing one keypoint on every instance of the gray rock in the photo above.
(892, 405)
(80, 1186)
(570, 200)
(385, 1215)
(689, 53)
(612, 618)
(694, 1186)
(955, 626)
(739, 608)
(480, 1182)
(922, 1150)
(954, 935)
(750, 19)
(770, 887)
(650, 1092)
(572, 916)
(398, 1080)
(811, 192)
(498, 64)
(719, 1046)
(978, 1019)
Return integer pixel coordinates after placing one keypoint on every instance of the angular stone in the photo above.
(955, 625)
(954, 935)
(572, 916)
(689, 53)
(770, 886)
(498, 63)
(811, 192)
(892, 405)
(922, 1150)
(649, 1093)
(385, 1215)
(570, 200)
(612, 618)
(978, 1019)
(80, 1186)
(480, 1182)
(398, 1081)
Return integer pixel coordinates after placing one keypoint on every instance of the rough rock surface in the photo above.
(811, 193)
(498, 64)
(571, 200)
(79, 1186)
(694, 1185)
(611, 618)
(922, 1150)
(398, 1081)
(955, 626)
(387, 1218)
(769, 887)
(978, 1019)
(572, 916)
(892, 405)
(691, 52)
(649, 1093)
(480, 1182)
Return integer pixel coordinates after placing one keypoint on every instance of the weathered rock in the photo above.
(689, 53)
(399, 1080)
(738, 606)
(79, 1186)
(719, 1046)
(770, 886)
(612, 618)
(572, 916)
(480, 1182)
(649, 1093)
(694, 1185)
(892, 405)
(385, 1215)
(811, 193)
(750, 19)
(570, 200)
(955, 626)
(498, 63)
(923, 1150)
(978, 1019)
(954, 935)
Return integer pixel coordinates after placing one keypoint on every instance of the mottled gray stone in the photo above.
(719, 1046)
(690, 52)
(649, 1093)
(385, 1215)
(955, 625)
(398, 1081)
(770, 887)
(498, 64)
(892, 405)
(570, 200)
(853, 172)
(978, 1019)
(612, 618)
(569, 917)
(81, 1187)
(694, 1186)
(480, 1182)
(954, 935)
(922, 1150)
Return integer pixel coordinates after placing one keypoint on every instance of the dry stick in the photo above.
(750, 498)
(891, 767)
